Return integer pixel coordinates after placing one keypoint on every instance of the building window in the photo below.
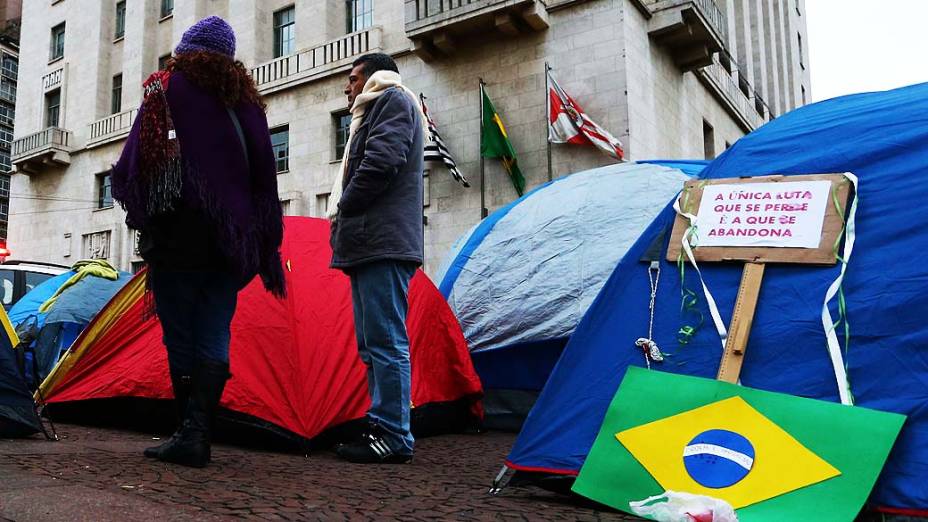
(57, 44)
(280, 142)
(359, 14)
(10, 67)
(801, 58)
(163, 62)
(342, 122)
(284, 31)
(167, 7)
(708, 140)
(6, 115)
(120, 19)
(104, 190)
(52, 108)
(8, 90)
(322, 203)
(116, 102)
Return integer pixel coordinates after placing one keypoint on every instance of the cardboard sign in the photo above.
(777, 215)
(764, 219)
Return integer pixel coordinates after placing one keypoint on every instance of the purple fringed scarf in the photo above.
(206, 169)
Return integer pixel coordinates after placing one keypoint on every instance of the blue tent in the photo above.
(882, 138)
(521, 280)
(29, 304)
(17, 413)
(59, 326)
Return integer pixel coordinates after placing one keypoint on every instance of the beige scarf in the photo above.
(376, 85)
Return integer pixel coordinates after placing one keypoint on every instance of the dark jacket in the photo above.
(380, 212)
(229, 215)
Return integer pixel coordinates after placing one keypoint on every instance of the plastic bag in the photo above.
(673, 506)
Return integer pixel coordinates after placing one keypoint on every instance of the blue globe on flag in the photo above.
(718, 458)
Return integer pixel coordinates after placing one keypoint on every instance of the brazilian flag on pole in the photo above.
(494, 143)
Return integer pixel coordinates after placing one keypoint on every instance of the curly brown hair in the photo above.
(226, 77)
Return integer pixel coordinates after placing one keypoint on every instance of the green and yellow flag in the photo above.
(494, 143)
(771, 456)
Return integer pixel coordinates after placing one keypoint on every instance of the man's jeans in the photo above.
(379, 294)
(195, 309)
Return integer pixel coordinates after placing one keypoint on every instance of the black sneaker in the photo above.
(371, 449)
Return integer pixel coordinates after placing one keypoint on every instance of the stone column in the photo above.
(759, 40)
(138, 48)
(247, 19)
(744, 43)
(773, 56)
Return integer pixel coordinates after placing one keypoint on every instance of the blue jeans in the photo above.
(195, 309)
(379, 294)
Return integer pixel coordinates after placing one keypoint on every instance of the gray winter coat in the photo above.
(380, 212)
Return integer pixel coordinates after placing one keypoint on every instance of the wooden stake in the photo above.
(741, 320)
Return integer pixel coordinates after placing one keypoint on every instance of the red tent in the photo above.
(294, 362)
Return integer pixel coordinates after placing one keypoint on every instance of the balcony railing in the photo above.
(52, 136)
(707, 8)
(111, 128)
(436, 25)
(50, 146)
(315, 62)
(422, 12)
(724, 87)
(53, 79)
(692, 29)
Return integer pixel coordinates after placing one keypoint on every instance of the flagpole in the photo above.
(548, 119)
(483, 178)
(425, 219)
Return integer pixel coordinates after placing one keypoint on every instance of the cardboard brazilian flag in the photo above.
(771, 456)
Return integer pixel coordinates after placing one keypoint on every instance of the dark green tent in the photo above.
(17, 412)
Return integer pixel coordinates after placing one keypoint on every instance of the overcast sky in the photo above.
(866, 45)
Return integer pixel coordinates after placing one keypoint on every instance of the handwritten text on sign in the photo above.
(788, 214)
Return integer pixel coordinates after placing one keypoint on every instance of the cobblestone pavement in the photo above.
(99, 474)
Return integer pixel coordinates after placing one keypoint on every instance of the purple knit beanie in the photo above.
(211, 34)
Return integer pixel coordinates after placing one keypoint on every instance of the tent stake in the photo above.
(501, 480)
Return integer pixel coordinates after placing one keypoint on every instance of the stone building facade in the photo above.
(670, 78)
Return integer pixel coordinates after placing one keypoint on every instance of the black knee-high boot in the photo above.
(181, 384)
(192, 446)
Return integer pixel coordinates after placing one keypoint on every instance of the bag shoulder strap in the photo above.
(241, 134)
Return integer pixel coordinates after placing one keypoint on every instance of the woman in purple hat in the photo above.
(197, 179)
